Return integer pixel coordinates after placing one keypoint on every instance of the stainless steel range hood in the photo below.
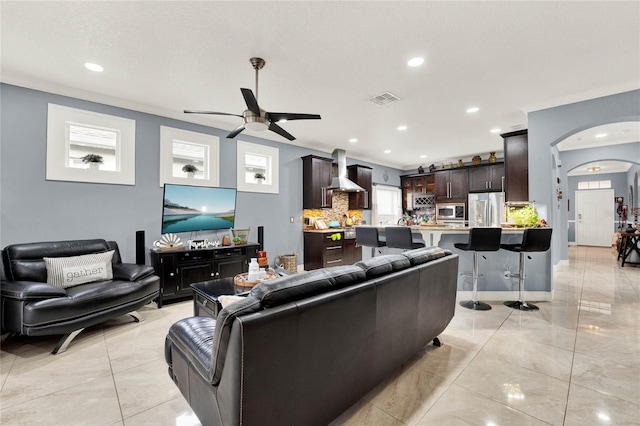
(342, 182)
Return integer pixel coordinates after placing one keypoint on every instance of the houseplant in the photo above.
(260, 177)
(189, 169)
(93, 160)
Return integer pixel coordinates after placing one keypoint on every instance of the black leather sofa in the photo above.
(31, 307)
(302, 349)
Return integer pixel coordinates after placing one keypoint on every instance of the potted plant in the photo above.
(259, 176)
(93, 160)
(190, 170)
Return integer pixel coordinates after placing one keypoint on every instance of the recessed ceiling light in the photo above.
(387, 151)
(353, 140)
(415, 62)
(93, 67)
(423, 156)
(496, 130)
(472, 110)
(601, 135)
(593, 169)
(625, 131)
(402, 128)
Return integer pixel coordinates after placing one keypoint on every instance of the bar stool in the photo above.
(480, 239)
(401, 237)
(533, 240)
(368, 236)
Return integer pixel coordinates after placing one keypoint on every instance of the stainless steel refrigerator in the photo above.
(486, 209)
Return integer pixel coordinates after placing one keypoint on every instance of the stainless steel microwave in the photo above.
(450, 211)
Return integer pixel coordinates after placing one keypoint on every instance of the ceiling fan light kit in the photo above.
(254, 117)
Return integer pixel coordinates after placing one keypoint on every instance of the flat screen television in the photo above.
(197, 208)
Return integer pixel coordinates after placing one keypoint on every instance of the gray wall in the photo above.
(618, 184)
(34, 209)
(550, 126)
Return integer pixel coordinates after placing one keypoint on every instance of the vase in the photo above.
(190, 175)
(94, 166)
(492, 157)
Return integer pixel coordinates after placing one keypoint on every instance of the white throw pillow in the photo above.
(228, 300)
(70, 271)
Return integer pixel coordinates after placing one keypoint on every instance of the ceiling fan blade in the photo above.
(251, 101)
(277, 116)
(191, 111)
(236, 132)
(282, 132)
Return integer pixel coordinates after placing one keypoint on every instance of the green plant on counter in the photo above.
(525, 217)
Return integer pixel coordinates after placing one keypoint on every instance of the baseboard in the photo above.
(573, 243)
(503, 296)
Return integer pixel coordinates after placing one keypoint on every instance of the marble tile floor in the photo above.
(575, 362)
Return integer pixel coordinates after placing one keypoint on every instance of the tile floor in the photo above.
(575, 362)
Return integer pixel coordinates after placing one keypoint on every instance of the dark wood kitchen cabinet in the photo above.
(487, 178)
(321, 250)
(516, 165)
(352, 252)
(363, 176)
(316, 179)
(452, 185)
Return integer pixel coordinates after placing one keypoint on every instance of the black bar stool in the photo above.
(533, 240)
(401, 237)
(368, 236)
(480, 239)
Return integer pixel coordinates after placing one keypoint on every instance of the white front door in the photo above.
(594, 217)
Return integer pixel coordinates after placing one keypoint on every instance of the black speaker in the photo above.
(261, 238)
(140, 247)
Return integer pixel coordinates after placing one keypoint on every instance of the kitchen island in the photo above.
(494, 282)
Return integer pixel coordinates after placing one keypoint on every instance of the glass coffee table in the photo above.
(206, 294)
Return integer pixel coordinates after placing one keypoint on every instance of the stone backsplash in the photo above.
(339, 207)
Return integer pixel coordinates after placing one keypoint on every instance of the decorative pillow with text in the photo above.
(71, 271)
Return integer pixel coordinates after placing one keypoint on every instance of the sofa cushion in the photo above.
(87, 299)
(25, 261)
(376, 266)
(424, 255)
(398, 262)
(346, 275)
(293, 287)
(71, 271)
(221, 336)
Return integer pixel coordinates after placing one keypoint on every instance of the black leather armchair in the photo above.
(32, 307)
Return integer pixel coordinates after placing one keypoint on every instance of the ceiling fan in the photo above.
(254, 117)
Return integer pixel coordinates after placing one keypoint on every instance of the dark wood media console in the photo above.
(178, 269)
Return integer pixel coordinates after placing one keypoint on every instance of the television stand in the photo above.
(178, 269)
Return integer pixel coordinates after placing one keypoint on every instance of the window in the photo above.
(595, 184)
(182, 150)
(387, 207)
(74, 133)
(258, 168)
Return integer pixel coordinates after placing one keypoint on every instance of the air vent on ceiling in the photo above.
(385, 98)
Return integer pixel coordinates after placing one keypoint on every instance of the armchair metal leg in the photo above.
(136, 316)
(64, 342)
